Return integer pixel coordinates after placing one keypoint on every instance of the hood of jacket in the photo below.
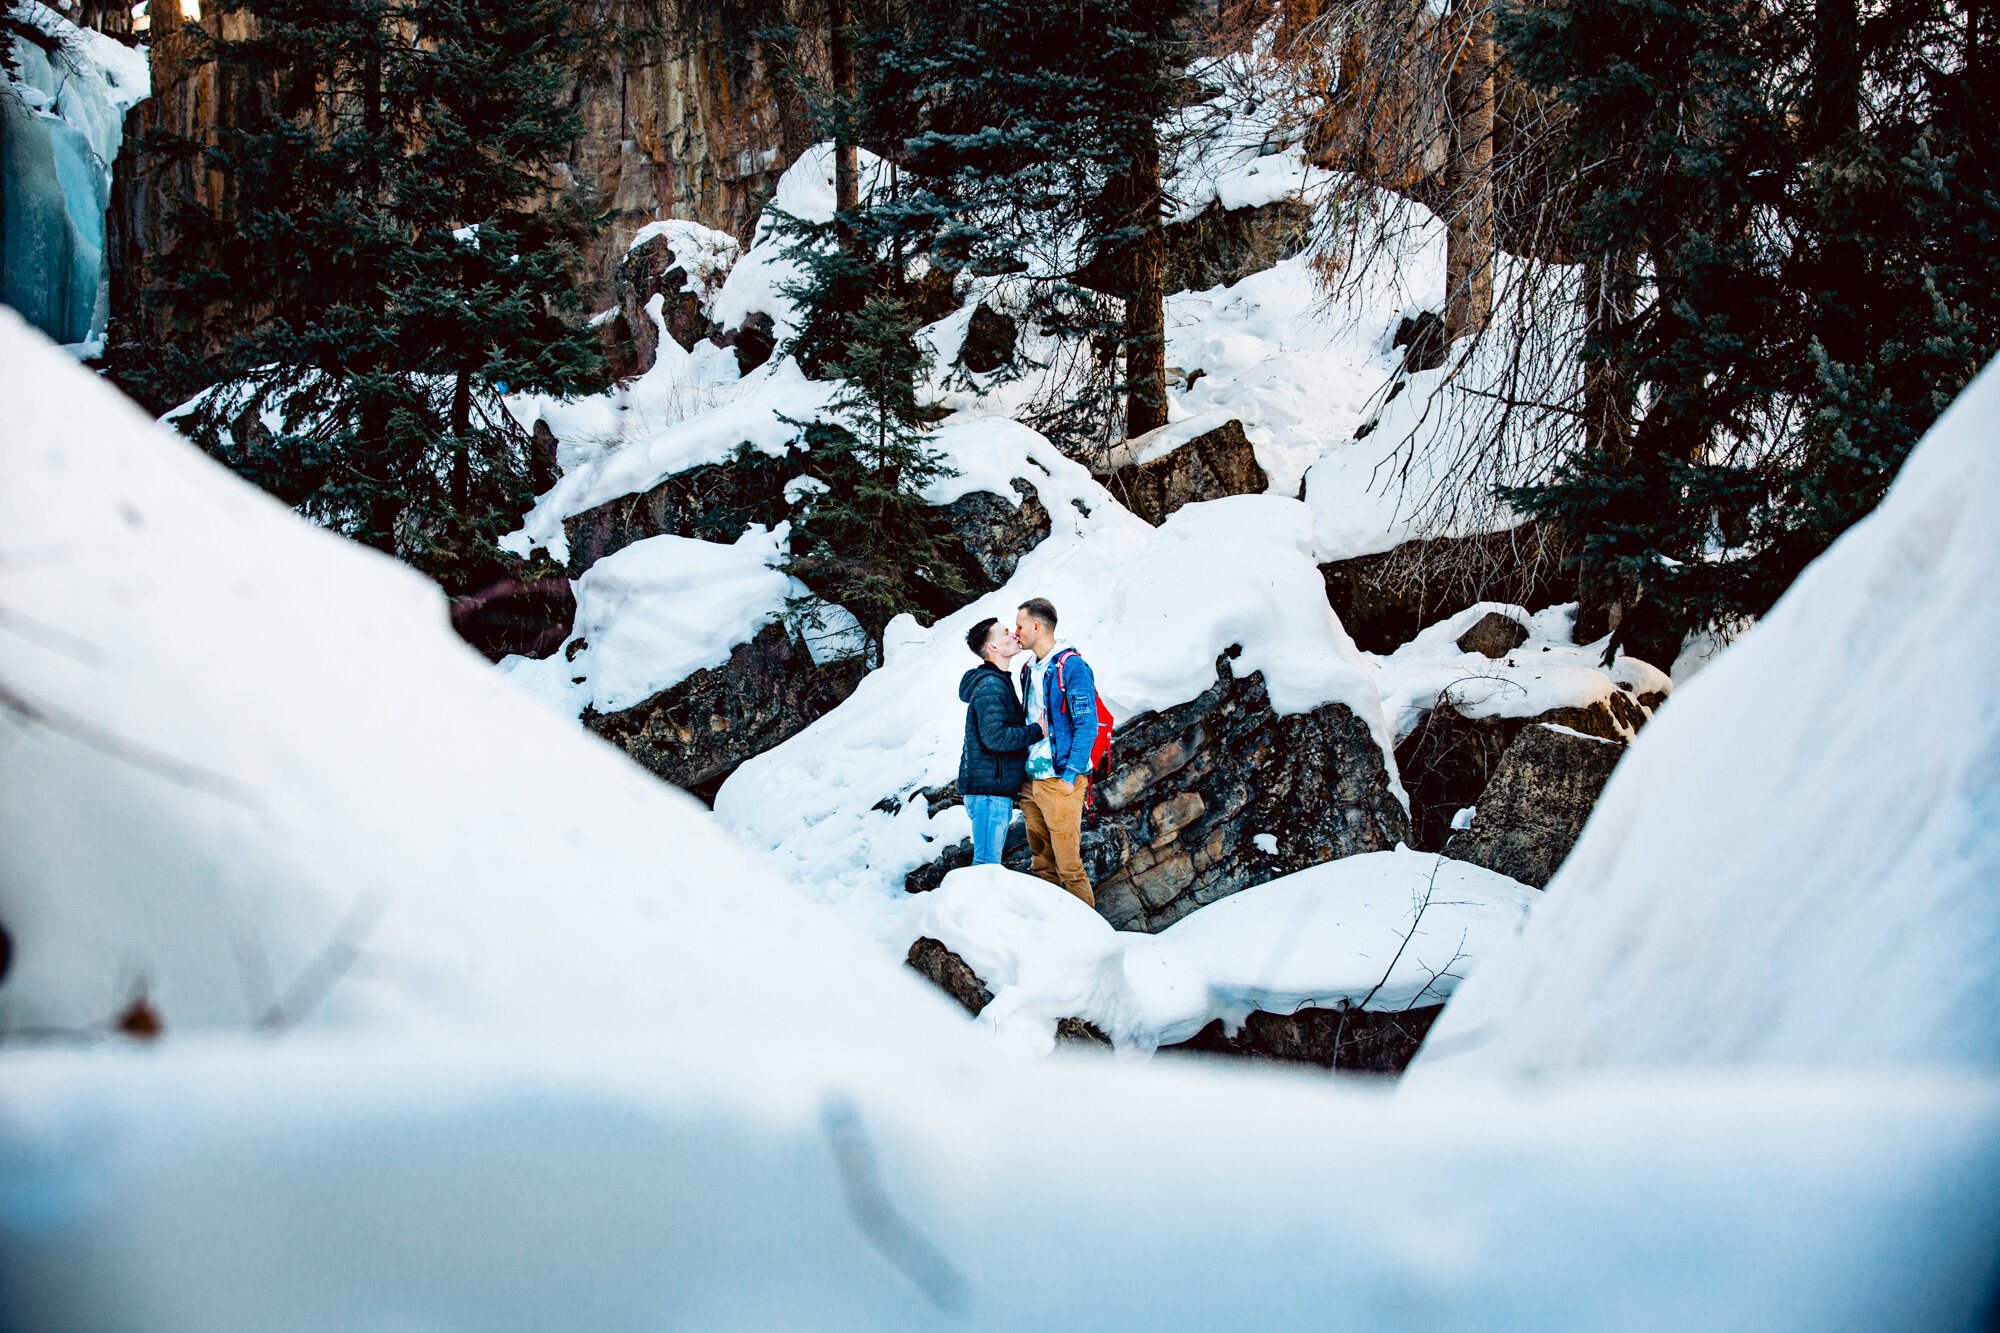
(971, 678)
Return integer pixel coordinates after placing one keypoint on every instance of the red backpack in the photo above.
(1102, 745)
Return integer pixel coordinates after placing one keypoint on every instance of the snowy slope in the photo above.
(247, 769)
(1797, 862)
(1150, 608)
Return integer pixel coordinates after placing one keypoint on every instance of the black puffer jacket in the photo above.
(995, 759)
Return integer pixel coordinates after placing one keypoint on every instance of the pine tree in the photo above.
(1790, 241)
(394, 217)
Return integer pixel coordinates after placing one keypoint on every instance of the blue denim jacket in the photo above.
(1073, 711)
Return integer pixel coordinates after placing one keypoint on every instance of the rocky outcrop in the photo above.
(1208, 467)
(1187, 793)
(714, 501)
(1383, 600)
(1447, 760)
(994, 533)
(1361, 1040)
(632, 339)
(694, 734)
(1218, 247)
(1534, 807)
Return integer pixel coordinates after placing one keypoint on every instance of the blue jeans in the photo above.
(990, 817)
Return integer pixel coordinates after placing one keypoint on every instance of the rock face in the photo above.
(713, 502)
(1383, 600)
(1218, 247)
(1534, 807)
(1187, 792)
(1447, 760)
(697, 121)
(1361, 1040)
(694, 734)
(1207, 467)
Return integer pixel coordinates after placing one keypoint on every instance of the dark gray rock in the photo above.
(1383, 600)
(1219, 247)
(632, 339)
(949, 973)
(754, 341)
(694, 734)
(1494, 635)
(531, 617)
(1425, 338)
(1447, 760)
(990, 338)
(995, 533)
(1364, 1041)
(1534, 807)
(1208, 467)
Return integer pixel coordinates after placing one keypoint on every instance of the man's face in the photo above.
(1002, 644)
(1027, 630)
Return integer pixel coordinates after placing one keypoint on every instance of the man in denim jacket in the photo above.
(1061, 695)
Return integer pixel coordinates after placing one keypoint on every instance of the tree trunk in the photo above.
(846, 161)
(1834, 104)
(461, 430)
(1145, 300)
(1607, 422)
(1469, 182)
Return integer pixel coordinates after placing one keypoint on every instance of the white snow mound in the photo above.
(247, 770)
(1385, 930)
(1796, 863)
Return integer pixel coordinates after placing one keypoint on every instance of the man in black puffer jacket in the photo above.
(997, 737)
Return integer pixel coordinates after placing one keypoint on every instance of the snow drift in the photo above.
(1797, 862)
(247, 769)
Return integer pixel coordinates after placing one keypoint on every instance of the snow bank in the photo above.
(1385, 930)
(1149, 608)
(1547, 671)
(652, 614)
(247, 770)
(1796, 862)
(733, 1177)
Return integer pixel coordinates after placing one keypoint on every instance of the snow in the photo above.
(1150, 608)
(750, 411)
(1795, 863)
(1385, 930)
(703, 254)
(246, 768)
(731, 1177)
(1547, 671)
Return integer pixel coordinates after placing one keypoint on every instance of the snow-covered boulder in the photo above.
(684, 264)
(258, 807)
(1385, 934)
(1213, 464)
(1796, 862)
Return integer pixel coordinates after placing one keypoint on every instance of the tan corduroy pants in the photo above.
(1053, 810)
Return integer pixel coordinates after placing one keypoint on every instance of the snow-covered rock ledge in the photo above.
(1383, 933)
